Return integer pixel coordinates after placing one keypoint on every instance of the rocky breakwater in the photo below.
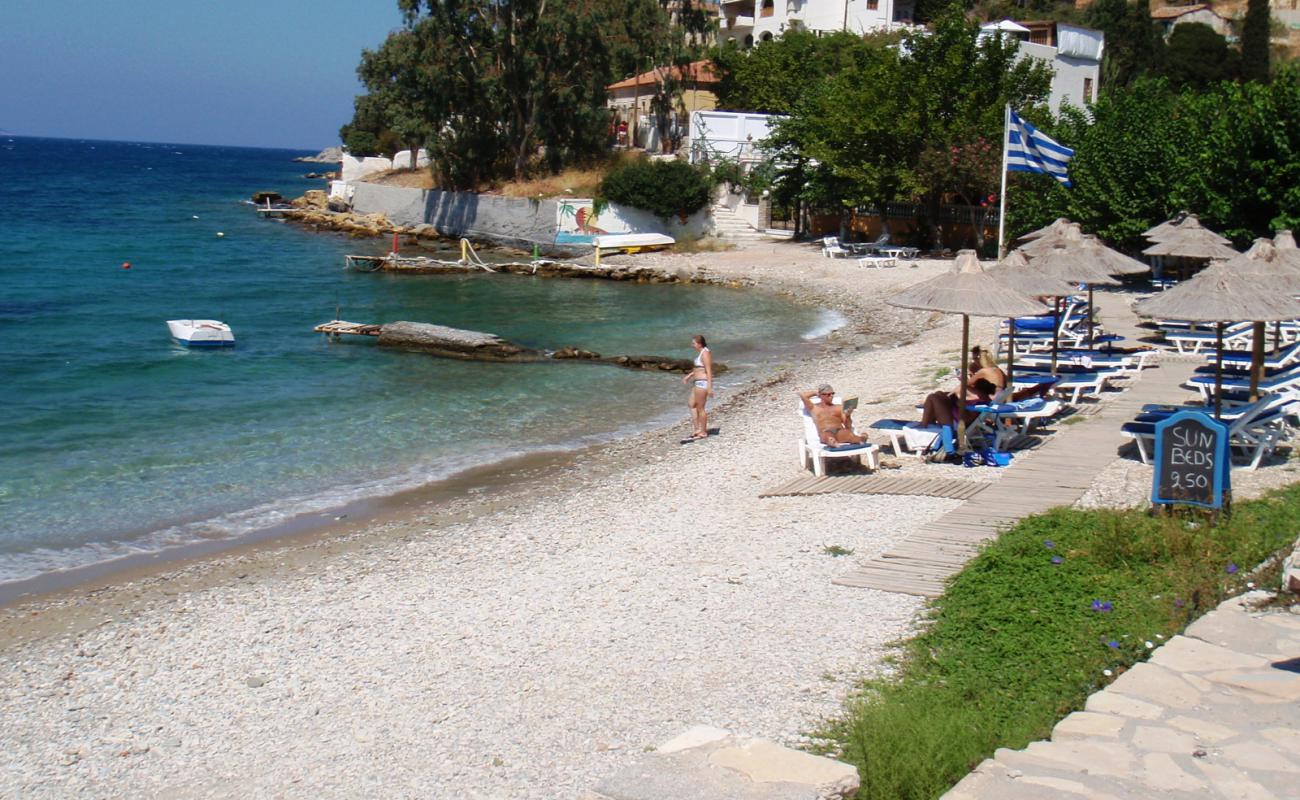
(445, 342)
(315, 209)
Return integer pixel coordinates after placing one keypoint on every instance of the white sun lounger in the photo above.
(878, 261)
(811, 448)
(1235, 337)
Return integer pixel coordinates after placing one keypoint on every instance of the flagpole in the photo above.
(1002, 196)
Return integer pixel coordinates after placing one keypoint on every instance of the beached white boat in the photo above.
(632, 242)
(201, 332)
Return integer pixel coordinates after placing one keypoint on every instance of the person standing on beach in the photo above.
(702, 389)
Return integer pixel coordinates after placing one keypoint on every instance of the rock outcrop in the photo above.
(445, 342)
(330, 155)
(440, 340)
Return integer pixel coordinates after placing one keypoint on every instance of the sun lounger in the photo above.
(1253, 430)
(1134, 361)
(1287, 356)
(1275, 384)
(1004, 421)
(878, 261)
(911, 437)
(831, 248)
(1235, 337)
(1077, 384)
(811, 448)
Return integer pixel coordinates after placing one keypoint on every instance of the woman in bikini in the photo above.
(702, 388)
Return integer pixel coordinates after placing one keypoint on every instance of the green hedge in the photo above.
(1034, 624)
(664, 188)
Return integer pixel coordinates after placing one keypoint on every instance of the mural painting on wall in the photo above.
(576, 221)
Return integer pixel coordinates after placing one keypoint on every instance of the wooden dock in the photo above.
(876, 484)
(340, 327)
(1055, 474)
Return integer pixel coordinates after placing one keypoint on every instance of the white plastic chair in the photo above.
(811, 448)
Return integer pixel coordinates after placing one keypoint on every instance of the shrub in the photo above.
(1042, 617)
(664, 188)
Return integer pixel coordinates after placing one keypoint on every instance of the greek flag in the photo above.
(1031, 151)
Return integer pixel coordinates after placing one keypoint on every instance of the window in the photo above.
(872, 5)
(769, 8)
(1087, 90)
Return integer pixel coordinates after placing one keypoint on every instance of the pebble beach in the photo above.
(525, 642)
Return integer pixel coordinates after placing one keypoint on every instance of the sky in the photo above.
(257, 73)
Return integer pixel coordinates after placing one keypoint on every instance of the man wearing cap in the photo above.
(834, 423)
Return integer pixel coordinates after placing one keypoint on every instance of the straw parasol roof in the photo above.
(1191, 243)
(1285, 244)
(1073, 265)
(1220, 297)
(1181, 224)
(1013, 259)
(1168, 226)
(1066, 234)
(1031, 281)
(1265, 266)
(966, 289)
(1112, 261)
(1060, 224)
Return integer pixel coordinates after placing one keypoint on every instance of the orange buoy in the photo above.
(126, 265)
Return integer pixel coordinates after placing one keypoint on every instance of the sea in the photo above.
(116, 442)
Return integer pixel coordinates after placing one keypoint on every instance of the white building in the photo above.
(1072, 53)
(748, 22)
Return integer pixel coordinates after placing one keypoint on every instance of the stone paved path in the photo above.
(1215, 713)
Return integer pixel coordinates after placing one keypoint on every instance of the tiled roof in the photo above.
(698, 72)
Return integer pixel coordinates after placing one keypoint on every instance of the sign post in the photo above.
(1191, 462)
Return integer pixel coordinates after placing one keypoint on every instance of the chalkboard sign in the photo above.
(1192, 465)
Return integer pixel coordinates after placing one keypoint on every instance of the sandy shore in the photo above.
(521, 645)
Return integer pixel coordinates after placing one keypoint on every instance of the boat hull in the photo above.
(201, 333)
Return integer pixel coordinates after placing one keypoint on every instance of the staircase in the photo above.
(727, 225)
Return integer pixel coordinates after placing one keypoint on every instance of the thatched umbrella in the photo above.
(1065, 234)
(1154, 233)
(1191, 243)
(1183, 223)
(967, 290)
(1072, 264)
(1220, 298)
(1015, 272)
(1060, 224)
(1285, 244)
(1269, 269)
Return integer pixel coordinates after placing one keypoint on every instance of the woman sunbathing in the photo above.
(941, 407)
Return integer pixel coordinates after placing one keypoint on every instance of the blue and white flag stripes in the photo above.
(1031, 151)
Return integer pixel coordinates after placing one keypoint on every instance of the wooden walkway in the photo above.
(1056, 474)
(875, 484)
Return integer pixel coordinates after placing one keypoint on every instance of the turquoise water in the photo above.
(115, 441)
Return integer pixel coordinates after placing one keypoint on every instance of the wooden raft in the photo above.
(872, 484)
(340, 327)
(1057, 473)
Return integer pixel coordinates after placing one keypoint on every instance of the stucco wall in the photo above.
(503, 220)
(1068, 74)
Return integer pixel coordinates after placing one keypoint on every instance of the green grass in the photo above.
(942, 372)
(1014, 643)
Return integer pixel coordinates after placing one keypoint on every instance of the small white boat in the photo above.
(201, 332)
(632, 242)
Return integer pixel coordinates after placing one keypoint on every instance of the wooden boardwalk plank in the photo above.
(1054, 470)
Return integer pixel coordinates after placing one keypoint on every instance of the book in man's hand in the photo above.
(849, 404)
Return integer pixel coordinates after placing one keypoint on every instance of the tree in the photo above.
(1254, 41)
(1142, 153)
(1134, 46)
(498, 87)
(772, 77)
(1198, 56)
(896, 121)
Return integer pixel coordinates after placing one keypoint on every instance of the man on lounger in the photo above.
(834, 423)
